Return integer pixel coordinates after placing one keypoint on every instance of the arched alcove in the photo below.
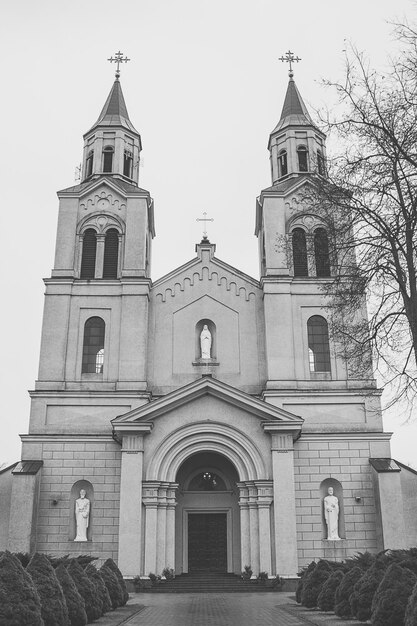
(338, 492)
(198, 329)
(75, 494)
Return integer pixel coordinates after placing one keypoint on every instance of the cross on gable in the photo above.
(205, 219)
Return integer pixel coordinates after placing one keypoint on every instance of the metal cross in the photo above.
(205, 219)
(118, 58)
(289, 58)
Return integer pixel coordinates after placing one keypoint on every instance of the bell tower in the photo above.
(96, 307)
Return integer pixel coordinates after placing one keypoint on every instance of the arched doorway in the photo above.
(207, 515)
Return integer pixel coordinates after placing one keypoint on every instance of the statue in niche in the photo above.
(205, 342)
(331, 514)
(82, 514)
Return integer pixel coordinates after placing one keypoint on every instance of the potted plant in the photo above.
(247, 573)
(168, 573)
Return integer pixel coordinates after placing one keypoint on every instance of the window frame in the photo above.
(96, 363)
(108, 150)
(324, 348)
(302, 150)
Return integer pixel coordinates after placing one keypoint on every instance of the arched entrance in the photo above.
(207, 515)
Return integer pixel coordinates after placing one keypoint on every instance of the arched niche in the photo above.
(212, 328)
(338, 492)
(75, 493)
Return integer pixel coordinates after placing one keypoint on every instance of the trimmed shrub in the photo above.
(113, 587)
(75, 602)
(304, 574)
(53, 604)
(391, 598)
(20, 604)
(343, 594)
(326, 599)
(86, 589)
(365, 588)
(411, 611)
(112, 565)
(101, 589)
(24, 558)
(314, 583)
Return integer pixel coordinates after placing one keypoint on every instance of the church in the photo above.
(205, 416)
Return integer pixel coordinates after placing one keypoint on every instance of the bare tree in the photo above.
(369, 200)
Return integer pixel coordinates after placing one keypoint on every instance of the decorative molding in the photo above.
(101, 222)
(102, 202)
(132, 444)
(205, 273)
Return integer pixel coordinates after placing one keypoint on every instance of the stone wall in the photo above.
(346, 463)
(66, 463)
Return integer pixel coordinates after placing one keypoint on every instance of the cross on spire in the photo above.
(118, 58)
(289, 58)
(205, 219)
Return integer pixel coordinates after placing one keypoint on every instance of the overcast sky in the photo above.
(204, 87)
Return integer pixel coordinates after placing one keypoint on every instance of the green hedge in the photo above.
(20, 604)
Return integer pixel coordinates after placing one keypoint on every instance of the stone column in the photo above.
(99, 256)
(264, 513)
(130, 519)
(150, 500)
(170, 525)
(244, 525)
(253, 528)
(284, 502)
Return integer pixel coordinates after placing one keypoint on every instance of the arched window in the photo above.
(89, 164)
(282, 163)
(88, 259)
(127, 163)
(318, 344)
(302, 159)
(299, 251)
(321, 252)
(108, 159)
(93, 346)
(111, 254)
(320, 163)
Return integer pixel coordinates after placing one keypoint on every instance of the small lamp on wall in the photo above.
(358, 498)
(55, 500)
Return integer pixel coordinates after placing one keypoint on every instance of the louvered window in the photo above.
(320, 163)
(127, 163)
(282, 163)
(111, 254)
(299, 250)
(318, 344)
(321, 252)
(89, 164)
(302, 159)
(88, 259)
(108, 159)
(93, 346)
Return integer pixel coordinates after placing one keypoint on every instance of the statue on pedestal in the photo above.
(205, 342)
(331, 514)
(82, 514)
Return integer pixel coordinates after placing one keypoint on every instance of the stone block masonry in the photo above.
(65, 463)
(345, 460)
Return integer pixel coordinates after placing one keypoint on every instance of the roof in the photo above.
(114, 112)
(294, 112)
(27, 467)
(123, 185)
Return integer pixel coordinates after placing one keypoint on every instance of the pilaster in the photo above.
(284, 500)
(130, 520)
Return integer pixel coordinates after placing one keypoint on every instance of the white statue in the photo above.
(205, 342)
(82, 513)
(331, 513)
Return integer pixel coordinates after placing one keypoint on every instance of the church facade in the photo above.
(206, 414)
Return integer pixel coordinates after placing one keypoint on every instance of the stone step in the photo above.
(208, 582)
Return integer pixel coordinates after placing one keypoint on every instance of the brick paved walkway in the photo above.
(237, 609)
